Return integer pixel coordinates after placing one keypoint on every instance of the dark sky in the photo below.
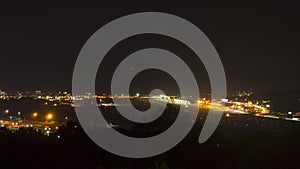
(259, 43)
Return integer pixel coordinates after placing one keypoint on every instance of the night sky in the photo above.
(258, 43)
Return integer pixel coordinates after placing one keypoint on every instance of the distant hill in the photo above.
(285, 100)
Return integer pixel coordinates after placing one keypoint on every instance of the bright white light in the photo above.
(290, 112)
(268, 106)
(224, 100)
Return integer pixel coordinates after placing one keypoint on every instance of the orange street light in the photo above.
(35, 114)
(49, 116)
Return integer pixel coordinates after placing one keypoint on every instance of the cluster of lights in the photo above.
(15, 125)
(1, 121)
(47, 130)
(29, 125)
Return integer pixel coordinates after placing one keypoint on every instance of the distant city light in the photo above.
(6, 111)
(290, 113)
(227, 115)
(224, 100)
(49, 116)
(35, 114)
